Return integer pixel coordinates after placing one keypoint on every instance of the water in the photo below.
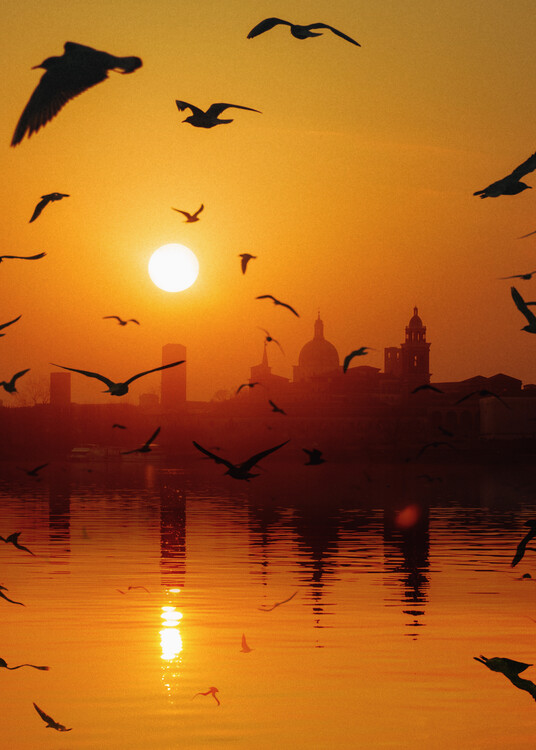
(399, 580)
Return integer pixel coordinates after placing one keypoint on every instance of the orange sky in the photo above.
(353, 188)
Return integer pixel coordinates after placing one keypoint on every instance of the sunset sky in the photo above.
(353, 187)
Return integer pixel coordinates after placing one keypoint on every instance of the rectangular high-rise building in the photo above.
(60, 388)
(173, 386)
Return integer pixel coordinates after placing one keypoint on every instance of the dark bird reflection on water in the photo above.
(511, 669)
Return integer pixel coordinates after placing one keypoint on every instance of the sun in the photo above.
(173, 267)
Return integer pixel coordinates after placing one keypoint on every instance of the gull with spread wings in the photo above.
(297, 31)
(3, 663)
(511, 184)
(117, 389)
(208, 119)
(22, 257)
(239, 471)
(190, 218)
(49, 721)
(522, 306)
(9, 385)
(120, 320)
(14, 540)
(277, 302)
(146, 447)
(45, 200)
(246, 257)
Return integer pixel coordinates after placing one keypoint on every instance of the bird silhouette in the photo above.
(265, 608)
(22, 257)
(427, 387)
(14, 540)
(482, 394)
(356, 353)
(9, 323)
(511, 184)
(269, 338)
(208, 119)
(120, 320)
(276, 408)
(524, 276)
(240, 471)
(297, 31)
(523, 307)
(118, 389)
(522, 546)
(9, 385)
(33, 472)
(245, 385)
(246, 257)
(502, 664)
(277, 302)
(49, 721)
(45, 200)
(146, 447)
(67, 76)
(211, 691)
(3, 663)
(190, 218)
(315, 457)
(245, 648)
(131, 588)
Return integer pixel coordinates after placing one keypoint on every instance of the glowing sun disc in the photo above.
(173, 267)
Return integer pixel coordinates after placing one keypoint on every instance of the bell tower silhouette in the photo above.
(415, 354)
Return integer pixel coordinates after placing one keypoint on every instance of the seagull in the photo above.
(23, 257)
(482, 393)
(245, 648)
(522, 546)
(78, 69)
(276, 409)
(208, 119)
(118, 389)
(239, 471)
(131, 588)
(190, 218)
(211, 691)
(427, 387)
(523, 307)
(3, 663)
(14, 540)
(9, 385)
(5, 325)
(524, 276)
(356, 353)
(146, 447)
(277, 302)
(33, 472)
(501, 664)
(264, 608)
(245, 385)
(118, 426)
(269, 338)
(511, 184)
(45, 200)
(297, 31)
(50, 721)
(246, 257)
(119, 320)
(315, 457)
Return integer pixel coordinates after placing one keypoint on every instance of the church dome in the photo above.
(415, 322)
(319, 354)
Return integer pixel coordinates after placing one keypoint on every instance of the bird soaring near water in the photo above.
(276, 408)
(245, 648)
(297, 31)
(522, 546)
(33, 472)
(482, 394)
(49, 721)
(208, 119)
(45, 200)
(315, 457)
(502, 664)
(356, 353)
(239, 471)
(146, 447)
(277, 302)
(78, 69)
(120, 320)
(9, 385)
(190, 218)
(14, 540)
(9, 323)
(22, 257)
(524, 276)
(131, 588)
(3, 663)
(523, 307)
(511, 184)
(246, 257)
(265, 608)
(211, 691)
(117, 389)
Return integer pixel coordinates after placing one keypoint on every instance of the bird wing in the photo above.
(184, 105)
(268, 296)
(526, 235)
(43, 715)
(88, 374)
(5, 325)
(266, 25)
(218, 108)
(527, 166)
(199, 210)
(464, 398)
(348, 359)
(153, 436)
(184, 213)
(243, 263)
(522, 307)
(213, 456)
(246, 465)
(335, 31)
(19, 375)
(113, 317)
(292, 310)
(40, 206)
(38, 468)
(133, 320)
(24, 257)
(244, 385)
(156, 369)
(522, 546)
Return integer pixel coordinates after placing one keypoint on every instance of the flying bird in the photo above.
(117, 389)
(49, 721)
(120, 320)
(297, 31)
(45, 200)
(524, 276)
(315, 457)
(190, 218)
(33, 472)
(146, 447)
(23, 257)
(427, 387)
(131, 588)
(501, 664)
(208, 119)
(277, 302)
(269, 338)
(9, 323)
(482, 394)
(276, 408)
(14, 540)
(511, 184)
(264, 608)
(67, 76)
(356, 353)
(9, 385)
(3, 663)
(211, 691)
(240, 471)
(245, 385)
(245, 648)
(522, 546)
(246, 257)
(523, 307)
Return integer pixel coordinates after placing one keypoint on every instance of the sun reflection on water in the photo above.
(171, 643)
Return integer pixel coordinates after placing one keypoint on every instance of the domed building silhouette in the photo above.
(317, 357)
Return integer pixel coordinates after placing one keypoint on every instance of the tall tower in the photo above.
(173, 383)
(415, 353)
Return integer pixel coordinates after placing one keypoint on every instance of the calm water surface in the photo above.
(399, 580)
